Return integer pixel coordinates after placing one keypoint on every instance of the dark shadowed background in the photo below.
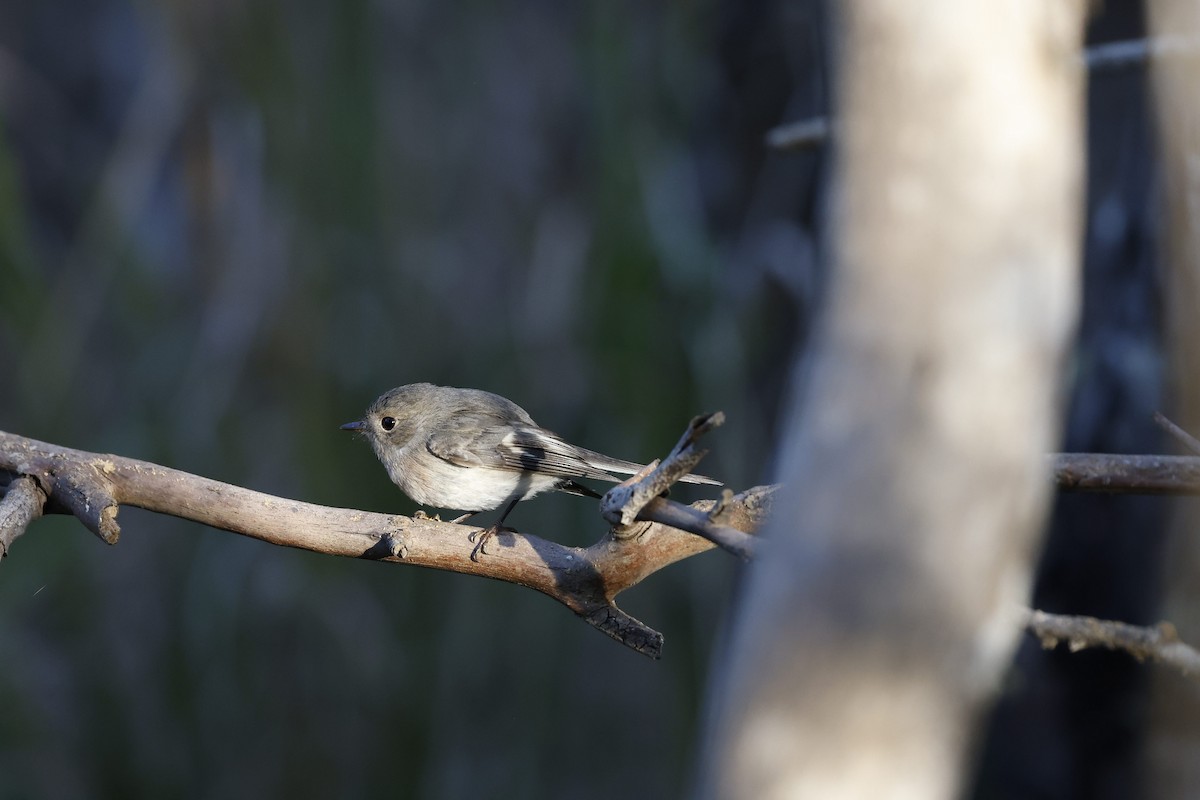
(226, 227)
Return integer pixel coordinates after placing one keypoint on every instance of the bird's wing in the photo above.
(477, 441)
(484, 440)
(539, 450)
(469, 440)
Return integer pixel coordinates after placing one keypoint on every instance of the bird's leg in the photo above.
(480, 538)
(464, 517)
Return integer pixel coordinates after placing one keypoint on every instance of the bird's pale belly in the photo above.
(468, 489)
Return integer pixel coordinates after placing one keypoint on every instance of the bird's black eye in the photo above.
(387, 423)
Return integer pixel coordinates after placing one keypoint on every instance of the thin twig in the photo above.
(686, 518)
(1159, 643)
(801, 135)
(1136, 52)
(621, 504)
(1182, 436)
(640, 497)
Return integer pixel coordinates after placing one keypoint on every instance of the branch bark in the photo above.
(1160, 643)
(1191, 443)
(586, 580)
(640, 497)
(1127, 474)
(21, 504)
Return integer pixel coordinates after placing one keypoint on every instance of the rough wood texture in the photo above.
(586, 580)
(1160, 643)
(1172, 748)
(20, 505)
(914, 472)
(640, 497)
(1122, 474)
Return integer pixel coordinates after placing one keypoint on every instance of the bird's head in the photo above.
(395, 416)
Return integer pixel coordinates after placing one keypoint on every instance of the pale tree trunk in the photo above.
(885, 602)
(1173, 748)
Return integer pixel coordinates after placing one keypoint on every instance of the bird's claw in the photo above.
(478, 550)
(481, 536)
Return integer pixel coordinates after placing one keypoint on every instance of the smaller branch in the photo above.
(1121, 474)
(1182, 436)
(1136, 52)
(622, 503)
(22, 503)
(640, 497)
(1117, 55)
(689, 519)
(628, 500)
(1160, 643)
(802, 135)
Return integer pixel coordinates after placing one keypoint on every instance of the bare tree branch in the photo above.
(1122, 474)
(1178, 433)
(586, 580)
(22, 504)
(92, 487)
(1160, 643)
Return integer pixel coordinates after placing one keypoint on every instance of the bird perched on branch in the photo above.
(470, 450)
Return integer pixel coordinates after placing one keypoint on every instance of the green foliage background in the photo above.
(226, 227)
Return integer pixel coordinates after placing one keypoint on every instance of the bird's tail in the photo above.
(610, 464)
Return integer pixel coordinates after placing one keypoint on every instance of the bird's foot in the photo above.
(481, 537)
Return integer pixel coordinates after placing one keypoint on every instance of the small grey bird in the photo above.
(470, 450)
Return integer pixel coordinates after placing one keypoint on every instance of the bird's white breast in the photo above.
(444, 485)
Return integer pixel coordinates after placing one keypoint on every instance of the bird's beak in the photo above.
(357, 425)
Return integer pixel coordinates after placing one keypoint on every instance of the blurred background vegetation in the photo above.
(226, 227)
